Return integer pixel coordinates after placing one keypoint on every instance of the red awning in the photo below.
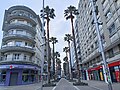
(114, 64)
(95, 68)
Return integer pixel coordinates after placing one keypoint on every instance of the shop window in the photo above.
(32, 75)
(2, 76)
(25, 76)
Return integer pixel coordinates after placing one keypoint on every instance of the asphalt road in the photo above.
(64, 85)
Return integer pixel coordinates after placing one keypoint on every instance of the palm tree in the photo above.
(66, 50)
(69, 14)
(57, 54)
(65, 59)
(58, 61)
(48, 14)
(54, 41)
(58, 67)
(69, 38)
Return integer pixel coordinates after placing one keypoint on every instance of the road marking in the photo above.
(56, 85)
(76, 88)
(54, 88)
(95, 87)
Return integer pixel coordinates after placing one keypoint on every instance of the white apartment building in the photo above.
(21, 50)
(109, 15)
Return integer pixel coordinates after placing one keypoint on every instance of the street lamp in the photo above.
(107, 72)
(42, 45)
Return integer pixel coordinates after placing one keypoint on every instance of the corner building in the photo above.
(21, 53)
(108, 12)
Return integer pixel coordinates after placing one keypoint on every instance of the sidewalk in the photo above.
(100, 85)
(35, 86)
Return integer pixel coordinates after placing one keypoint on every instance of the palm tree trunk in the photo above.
(48, 50)
(67, 67)
(53, 62)
(76, 56)
(71, 76)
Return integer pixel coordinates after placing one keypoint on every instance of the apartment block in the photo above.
(21, 49)
(108, 15)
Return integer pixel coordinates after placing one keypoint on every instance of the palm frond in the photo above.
(48, 13)
(70, 11)
(68, 17)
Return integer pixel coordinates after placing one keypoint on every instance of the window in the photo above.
(119, 47)
(10, 32)
(92, 47)
(26, 44)
(108, 14)
(25, 76)
(18, 43)
(96, 44)
(118, 3)
(110, 53)
(16, 56)
(112, 29)
(12, 21)
(103, 38)
(5, 57)
(105, 2)
(2, 76)
(10, 43)
(19, 31)
(94, 33)
(25, 57)
(20, 21)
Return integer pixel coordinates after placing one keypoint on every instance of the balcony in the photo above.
(21, 16)
(18, 36)
(16, 59)
(19, 26)
(13, 48)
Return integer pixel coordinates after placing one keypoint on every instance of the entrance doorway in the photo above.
(13, 78)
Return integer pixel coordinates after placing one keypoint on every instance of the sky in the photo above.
(58, 26)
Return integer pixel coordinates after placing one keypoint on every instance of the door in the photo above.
(13, 78)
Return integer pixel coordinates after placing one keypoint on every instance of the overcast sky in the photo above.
(58, 26)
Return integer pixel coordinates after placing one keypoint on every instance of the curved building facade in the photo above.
(21, 53)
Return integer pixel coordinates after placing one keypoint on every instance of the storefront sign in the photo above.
(19, 67)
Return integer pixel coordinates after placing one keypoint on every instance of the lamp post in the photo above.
(42, 45)
(107, 72)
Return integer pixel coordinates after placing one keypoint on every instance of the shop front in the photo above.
(115, 71)
(19, 74)
(96, 73)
